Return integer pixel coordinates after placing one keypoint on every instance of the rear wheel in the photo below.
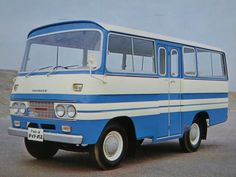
(191, 140)
(41, 150)
(111, 147)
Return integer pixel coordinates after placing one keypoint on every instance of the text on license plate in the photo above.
(35, 134)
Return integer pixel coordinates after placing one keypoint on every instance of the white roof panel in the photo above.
(155, 36)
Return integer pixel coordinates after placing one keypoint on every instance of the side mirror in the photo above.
(92, 60)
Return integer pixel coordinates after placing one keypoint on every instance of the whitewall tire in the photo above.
(111, 147)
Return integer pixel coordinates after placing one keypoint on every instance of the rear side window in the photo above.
(189, 58)
(217, 65)
(210, 64)
(130, 55)
(204, 63)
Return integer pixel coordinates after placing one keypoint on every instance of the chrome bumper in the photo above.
(55, 137)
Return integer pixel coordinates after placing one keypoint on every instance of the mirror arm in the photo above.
(92, 76)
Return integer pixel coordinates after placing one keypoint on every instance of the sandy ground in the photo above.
(6, 82)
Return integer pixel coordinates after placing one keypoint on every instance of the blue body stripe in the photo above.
(141, 108)
(151, 126)
(115, 98)
(72, 25)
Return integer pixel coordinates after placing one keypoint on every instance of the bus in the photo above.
(88, 86)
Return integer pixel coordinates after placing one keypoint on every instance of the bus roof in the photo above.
(124, 30)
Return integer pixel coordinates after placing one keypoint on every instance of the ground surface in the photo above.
(215, 158)
(6, 82)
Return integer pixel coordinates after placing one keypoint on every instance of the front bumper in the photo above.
(55, 137)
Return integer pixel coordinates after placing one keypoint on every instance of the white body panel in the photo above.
(62, 84)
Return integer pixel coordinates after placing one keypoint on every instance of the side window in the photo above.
(144, 60)
(189, 58)
(132, 55)
(204, 63)
(162, 61)
(174, 63)
(119, 57)
(217, 65)
(210, 64)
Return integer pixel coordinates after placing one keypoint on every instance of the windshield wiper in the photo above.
(64, 67)
(54, 68)
(38, 69)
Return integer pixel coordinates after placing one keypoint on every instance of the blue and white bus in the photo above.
(91, 86)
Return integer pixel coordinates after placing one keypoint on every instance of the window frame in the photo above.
(159, 61)
(173, 49)
(224, 66)
(210, 51)
(27, 49)
(107, 71)
(196, 69)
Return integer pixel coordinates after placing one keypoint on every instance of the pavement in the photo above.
(215, 158)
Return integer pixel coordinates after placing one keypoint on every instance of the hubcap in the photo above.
(194, 134)
(113, 145)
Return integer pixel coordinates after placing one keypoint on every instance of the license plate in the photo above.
(35, 134)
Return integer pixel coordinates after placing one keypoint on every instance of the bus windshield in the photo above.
(65, 50)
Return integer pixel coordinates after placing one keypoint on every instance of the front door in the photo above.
(174, 90)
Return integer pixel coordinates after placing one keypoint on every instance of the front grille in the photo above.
(41, 109)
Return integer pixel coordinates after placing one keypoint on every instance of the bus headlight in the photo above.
(15, 107)
(60, 110)
(22, 108)
(71, 111)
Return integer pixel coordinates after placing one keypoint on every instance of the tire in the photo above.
(139, 142)
(41, 150)
(191, 140)
(111, 147)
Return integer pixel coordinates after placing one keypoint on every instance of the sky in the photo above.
(211, 22)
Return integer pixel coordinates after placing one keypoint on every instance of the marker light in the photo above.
(15, 87)
(17, 123)
(66, 128)
(60, 110)
(77, 87)
(71, 111)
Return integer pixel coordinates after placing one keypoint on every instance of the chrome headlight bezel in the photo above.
(15, 107)
(22, 108)
(19, 108)
(71, 111)
(60, 110)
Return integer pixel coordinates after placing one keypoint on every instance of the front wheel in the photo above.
(41, 150)
(111, 147)
(191, 140)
